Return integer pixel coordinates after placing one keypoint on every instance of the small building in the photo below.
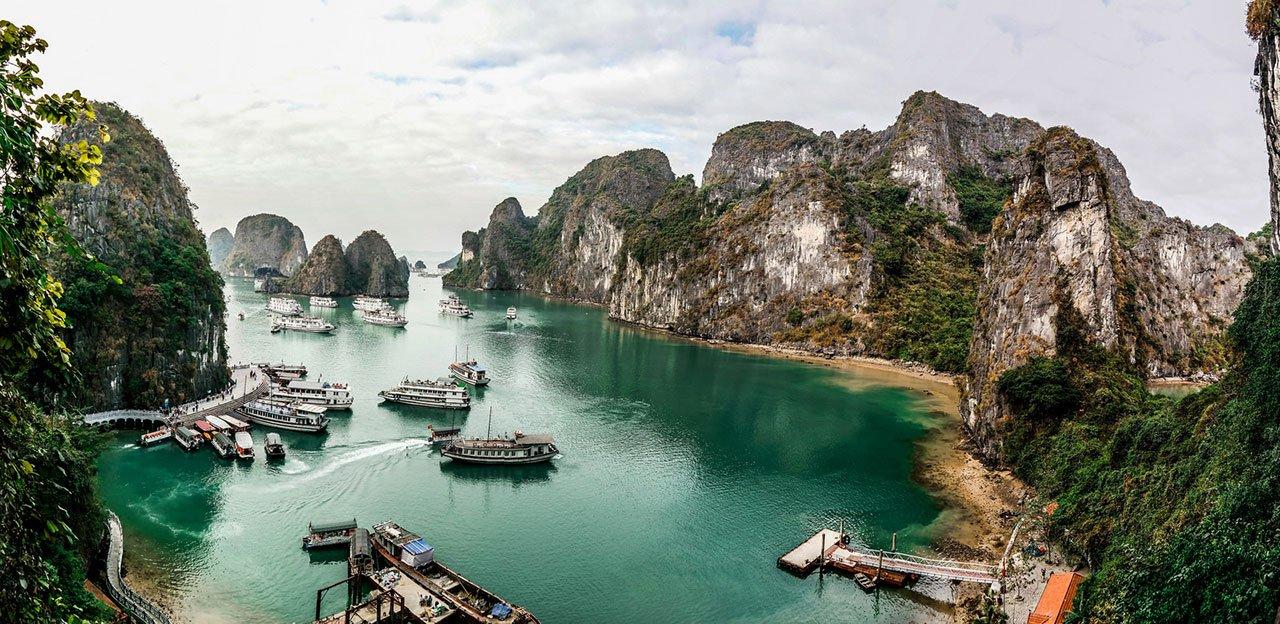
(1055, 601)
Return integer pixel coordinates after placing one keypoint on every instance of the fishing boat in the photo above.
(284, 306)
(334, 396)
(223, 446)
(296, 416)
(454, 306)
(273, 446)
(469, 371)
(443, 435)
(328, 534)
(511, 313)
(365, 303)
(154, 437)
(440, 393)
(450, 595)
(307, 324)
(323, 302)
(244, 445)
(385, 316)
(284, 371)
(188, 439)
(518, 448)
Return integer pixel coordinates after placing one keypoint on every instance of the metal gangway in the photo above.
(947, 569)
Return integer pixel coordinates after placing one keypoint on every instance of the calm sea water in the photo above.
(687, 471)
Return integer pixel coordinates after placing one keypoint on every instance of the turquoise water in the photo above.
(687, 471)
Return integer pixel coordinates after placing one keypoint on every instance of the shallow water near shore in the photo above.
(686, 471)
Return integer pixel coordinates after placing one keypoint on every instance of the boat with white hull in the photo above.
(470, 372)
(284, 306)
(323, 302)
(334, 396)
(386, 317)
(365, 303)
(440, 393)
(454, 306)
(305, 324)
(244, 445)
(519, 448)
(511, 313)
(296, 416)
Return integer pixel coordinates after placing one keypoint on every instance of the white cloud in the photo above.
(416, 118)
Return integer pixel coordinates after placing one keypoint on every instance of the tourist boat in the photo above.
(323, 302)
(511, 313)
(385, 316)
(259, 284)
(308, 324)
(244, 445)
(273, 446)
(219, 424)
(242, 316)
(284, 371)
(470, 372)
(328, 534)
(296, 416)
(440, 393)
(235, 423)
(204, 429)
(443, 435)
(450, 595)
(155, 437)
(365, 303)
(454, 306)
(223, 446)
(285, 306)
(334, 396)
(188, 439)
(519, 448)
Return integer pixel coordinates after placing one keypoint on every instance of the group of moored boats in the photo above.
(289, 316)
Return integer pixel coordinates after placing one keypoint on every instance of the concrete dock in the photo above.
(804, 558)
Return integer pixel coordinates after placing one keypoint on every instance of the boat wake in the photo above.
(346, 459)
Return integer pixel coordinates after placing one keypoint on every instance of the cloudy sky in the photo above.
(415, 118)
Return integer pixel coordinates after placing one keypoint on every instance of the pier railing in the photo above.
(139, 608)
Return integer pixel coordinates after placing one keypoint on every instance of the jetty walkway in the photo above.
(248, 382)
(830, 549)
(139, 608)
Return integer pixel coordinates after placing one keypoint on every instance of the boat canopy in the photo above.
(273, 438)
(360, 550)
(330, 527)
(417, 547)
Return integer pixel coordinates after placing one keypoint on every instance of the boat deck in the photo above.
(803, 559)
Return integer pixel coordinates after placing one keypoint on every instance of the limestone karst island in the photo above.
(425, 312)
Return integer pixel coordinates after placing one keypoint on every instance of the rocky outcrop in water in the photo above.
(324, 273)
(874, 242)
(219, 244)
(266, 240)
(159, 333)
(367, 266)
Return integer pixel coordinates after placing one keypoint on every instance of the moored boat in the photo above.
(235, 423)
(273, 447)
(188, 439)
(306, 324)
(328, 534)
(219, 424)
(334, 396)
(440, 393)
(470, 372)
(385, 316)
(204, 429)
(296, 416)
(511, 313)
(155, 437)
(223, 446)
(365, 303)
(284, 306)
(323, 302)
(244, 445)
(284, 371)
(454, 306)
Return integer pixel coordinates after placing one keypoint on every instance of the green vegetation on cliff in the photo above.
(1176, 503)
(980, 197)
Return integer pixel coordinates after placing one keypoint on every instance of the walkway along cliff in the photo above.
(949, 238)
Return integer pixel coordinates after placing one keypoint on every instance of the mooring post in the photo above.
(822, 551)
(894, 545)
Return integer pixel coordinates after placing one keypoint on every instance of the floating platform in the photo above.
(804, 558)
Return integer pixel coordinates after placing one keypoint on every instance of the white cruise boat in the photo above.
(365, 303)
(334, 396)
(285, 306)
(308, 324)
(296, 416)
(385, 316)
(511, 313)
(440, 393)
(470, 372)
(323, 302)
(454, 306)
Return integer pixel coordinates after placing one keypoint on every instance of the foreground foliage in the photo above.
(1175, 503)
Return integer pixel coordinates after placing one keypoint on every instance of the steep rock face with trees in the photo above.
(867, 243)
(374, 268)
(324, 273)
(266, 240)
(219, 243)
(159, 334)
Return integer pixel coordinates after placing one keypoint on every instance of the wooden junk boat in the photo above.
(452, 596)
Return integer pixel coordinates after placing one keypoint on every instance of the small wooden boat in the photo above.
(223, 446)
(244, 446)
(329, 534)
(273, 446)
(155, 437)
(187, 438)
(443, 435)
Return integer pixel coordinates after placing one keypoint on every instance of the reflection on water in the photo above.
(686, 471)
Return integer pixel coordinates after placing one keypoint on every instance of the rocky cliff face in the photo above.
(374, 268)
(324, 273)
(874, 242)
(1157, 289)
(219, 245)
(159, 334)
(266, 240)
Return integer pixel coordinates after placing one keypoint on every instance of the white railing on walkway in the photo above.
(140, 608)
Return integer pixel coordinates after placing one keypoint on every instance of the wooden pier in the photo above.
(830, 549)
(804, 558)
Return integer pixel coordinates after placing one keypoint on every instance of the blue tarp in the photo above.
(417, 547)
(500, 611)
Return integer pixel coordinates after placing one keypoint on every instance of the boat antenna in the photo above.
(488, 432)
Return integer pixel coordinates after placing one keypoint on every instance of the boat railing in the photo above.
(137, 606)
